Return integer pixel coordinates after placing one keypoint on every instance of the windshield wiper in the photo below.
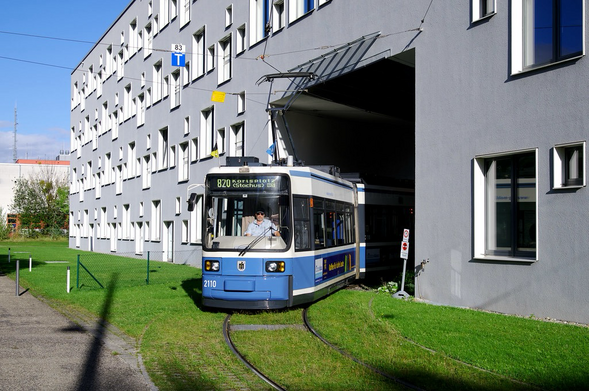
(255, 241)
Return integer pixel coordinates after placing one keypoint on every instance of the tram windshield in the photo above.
(247, 212)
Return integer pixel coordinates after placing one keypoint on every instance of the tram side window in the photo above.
(302, 223)
(319, 223)
(333, 223)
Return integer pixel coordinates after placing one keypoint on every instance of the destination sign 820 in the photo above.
(272, 183)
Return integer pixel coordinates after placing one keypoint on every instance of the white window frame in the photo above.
(478, 5)
(518, 36)
(225, 70)
(156, 219)
(229, 16)
(296, 9)
(240, 43)
(199, 59)
(207, 130)
(559, 163)
(257, 19)
(479, 208)
(278, 16)
(176, 89)
(183, 161)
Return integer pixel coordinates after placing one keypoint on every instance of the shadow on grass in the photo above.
(193, 289)
(87, 378)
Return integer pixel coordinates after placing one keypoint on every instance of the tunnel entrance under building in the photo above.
(363, 122)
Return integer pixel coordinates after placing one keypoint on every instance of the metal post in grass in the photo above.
(78, 274)
(8, 254)
(68, 280)
(30, 262)
(17, 277)
(147, 279)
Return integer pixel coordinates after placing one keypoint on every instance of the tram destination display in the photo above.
(273, 183)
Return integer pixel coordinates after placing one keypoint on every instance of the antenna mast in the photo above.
(14, 145)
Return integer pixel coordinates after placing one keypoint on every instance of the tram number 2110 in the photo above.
(209, 284)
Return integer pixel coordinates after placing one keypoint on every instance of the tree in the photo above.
(41, 201)
(4, 227)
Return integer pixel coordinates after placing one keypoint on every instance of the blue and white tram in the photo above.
(383, 213)
(308, 249)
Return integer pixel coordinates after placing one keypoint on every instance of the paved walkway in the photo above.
(41, 349)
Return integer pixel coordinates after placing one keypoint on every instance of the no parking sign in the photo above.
(405, 244)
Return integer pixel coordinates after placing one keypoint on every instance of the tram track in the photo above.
(235, 351)
(356, 360)
(307, 327)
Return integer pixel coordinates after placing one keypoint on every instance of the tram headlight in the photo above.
(211, 266)
(275, 266)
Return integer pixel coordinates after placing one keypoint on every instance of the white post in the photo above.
(30, 263)
(68, 279)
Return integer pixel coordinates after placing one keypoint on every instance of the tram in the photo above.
(280, 236)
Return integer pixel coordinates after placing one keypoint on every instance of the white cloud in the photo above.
(33, 146)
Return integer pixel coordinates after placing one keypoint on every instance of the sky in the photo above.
(38, 52)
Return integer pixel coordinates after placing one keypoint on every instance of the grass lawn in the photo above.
(433, 347)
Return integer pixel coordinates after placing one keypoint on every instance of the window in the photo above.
(236, 140)
(220, 140)
(126, 225)
(259, 20)
(302, 223)
(183, 162)
(184, 11)
(156, 219)
(278, 16)
(207, 131)
(140, 110)
(545, 32)
(482, 9)
(184, 231)
(298, 8)
(224, 72)
(569, 166)
(146, 172)
(176, 88)
(228, 16)
(333, 223)
(148, 40)
(186, 125)
(158, 81)
(240, 41)
(211, 58)
(241, 102)
(163, 149)
(194, 152)
(505, 207)
(198, 54)
(119, 179)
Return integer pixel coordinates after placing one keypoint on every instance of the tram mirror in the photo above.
(211, 213)
(191, 202)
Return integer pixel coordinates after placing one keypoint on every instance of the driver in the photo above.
(261, 226)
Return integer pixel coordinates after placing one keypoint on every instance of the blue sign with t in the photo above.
(178, 59)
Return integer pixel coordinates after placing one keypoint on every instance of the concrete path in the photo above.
(41, 349)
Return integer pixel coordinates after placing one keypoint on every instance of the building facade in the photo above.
(479, 104)
(28, 168)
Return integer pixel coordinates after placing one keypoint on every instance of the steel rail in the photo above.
(229, 342)
(356, 360)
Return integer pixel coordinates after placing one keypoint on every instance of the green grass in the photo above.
(433, 347)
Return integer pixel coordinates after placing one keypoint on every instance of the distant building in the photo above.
(25, 168)
(473, 101)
